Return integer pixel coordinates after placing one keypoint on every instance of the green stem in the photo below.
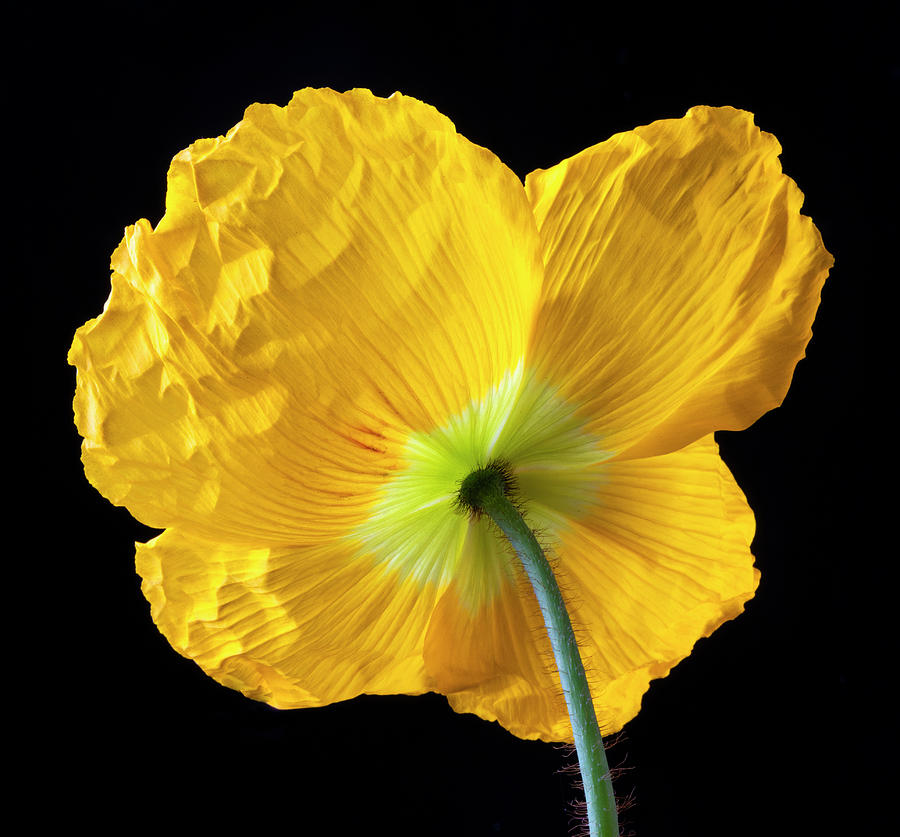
(485, 491)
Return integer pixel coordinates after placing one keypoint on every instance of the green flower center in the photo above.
(417, 528)
(495, 477)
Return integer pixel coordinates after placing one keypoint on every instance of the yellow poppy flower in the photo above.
(348, 307)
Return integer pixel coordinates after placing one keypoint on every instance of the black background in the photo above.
(772, 726)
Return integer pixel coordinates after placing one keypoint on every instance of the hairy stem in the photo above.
(485, 492)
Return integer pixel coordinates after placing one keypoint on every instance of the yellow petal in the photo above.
(327, 279)
(413, 528)
(681, 279)
(662, 560)
(295, 627)
(496, 661)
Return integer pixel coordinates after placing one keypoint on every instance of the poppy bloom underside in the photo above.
(348, 306)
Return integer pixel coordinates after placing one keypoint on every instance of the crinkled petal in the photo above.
(662, 560)
(327, 279)
(294, 627)
(681, 279)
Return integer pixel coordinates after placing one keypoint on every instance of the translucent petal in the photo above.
(681, 279)
(662, 560)
(328, 278)
(496, 661)
(295, 627)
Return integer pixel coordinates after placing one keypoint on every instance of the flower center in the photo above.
(417, 528)
(495, 477)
